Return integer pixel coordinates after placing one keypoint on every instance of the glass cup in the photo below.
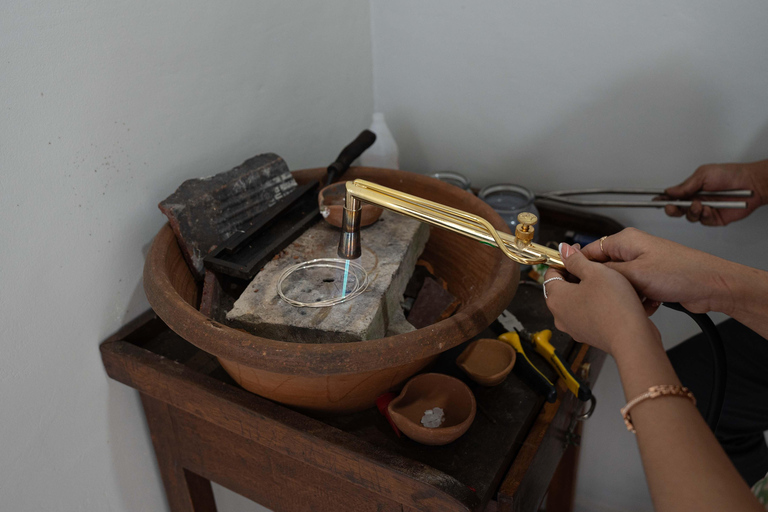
(454, 178)
(508, 201)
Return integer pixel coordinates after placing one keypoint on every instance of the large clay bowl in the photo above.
(344, 377)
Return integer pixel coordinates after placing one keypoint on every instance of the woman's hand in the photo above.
(602, 309)
(714, 177)
(664, 271)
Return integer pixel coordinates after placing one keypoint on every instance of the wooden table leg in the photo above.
(562, 488)
(186, 491)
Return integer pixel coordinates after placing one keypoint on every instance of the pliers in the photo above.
(527, 371)
(562, 196)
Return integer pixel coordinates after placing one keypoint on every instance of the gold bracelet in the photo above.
(654, 392)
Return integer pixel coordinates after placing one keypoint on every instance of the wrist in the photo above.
(745, 292)
(636, 343)
(759, 178)
(644, 364)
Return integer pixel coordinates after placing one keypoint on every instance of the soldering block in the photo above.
(391, 248)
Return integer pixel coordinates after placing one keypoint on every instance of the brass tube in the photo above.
(446, 217)
(349, 245)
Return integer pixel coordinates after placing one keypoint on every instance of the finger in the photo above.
(673, 211)
(575, 262)
(554, 272)
(694, 212)
(555, 283)
(711, 217)
(625, 268)
(595, 252)
(689, 187)
(607, 248)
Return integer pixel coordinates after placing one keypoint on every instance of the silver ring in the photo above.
(544, 284)
(357, 273)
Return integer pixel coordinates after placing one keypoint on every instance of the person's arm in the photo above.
(685, 467)
(714, 177)
(664, 271)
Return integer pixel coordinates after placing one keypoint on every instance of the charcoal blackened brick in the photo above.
(206, 211)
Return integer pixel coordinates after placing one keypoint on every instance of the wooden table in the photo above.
(205, 428)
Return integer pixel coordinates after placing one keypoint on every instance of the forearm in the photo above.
(685, 466)
(746, 297)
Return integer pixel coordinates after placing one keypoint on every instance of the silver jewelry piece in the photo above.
(544, 284)
(357, 276)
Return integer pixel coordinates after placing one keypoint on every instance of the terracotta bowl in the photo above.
(343, 377)
(487, 361)
(425, 392)
(331, 202)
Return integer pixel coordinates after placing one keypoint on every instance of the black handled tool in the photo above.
(243, 254)
(349, 154)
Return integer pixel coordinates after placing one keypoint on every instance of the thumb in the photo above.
(575, 262)
(687, 188)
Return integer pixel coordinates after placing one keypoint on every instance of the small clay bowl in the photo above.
(429, 390)
(487, 361)
(331, 202)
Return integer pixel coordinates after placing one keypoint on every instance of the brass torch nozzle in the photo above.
(349, 244)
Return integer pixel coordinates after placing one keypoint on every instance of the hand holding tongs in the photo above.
(559, 197)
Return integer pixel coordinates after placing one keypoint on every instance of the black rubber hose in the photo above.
(719, 370)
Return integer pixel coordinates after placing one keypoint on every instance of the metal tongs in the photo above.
(560, 197)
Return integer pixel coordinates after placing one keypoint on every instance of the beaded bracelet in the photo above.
(654, 392)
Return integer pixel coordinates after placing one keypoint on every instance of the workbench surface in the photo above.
(205, 427)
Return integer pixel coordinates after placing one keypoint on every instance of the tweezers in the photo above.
(560, 197)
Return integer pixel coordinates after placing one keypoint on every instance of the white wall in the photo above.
(560, 94)
(106, 108)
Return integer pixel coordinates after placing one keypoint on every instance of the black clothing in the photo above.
(744, 416)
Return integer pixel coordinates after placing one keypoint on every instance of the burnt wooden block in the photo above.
(204, 212)
(434, 303)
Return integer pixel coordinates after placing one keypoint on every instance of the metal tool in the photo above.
(540, 342)
(519, 247)
(527, 371)
(562, 197)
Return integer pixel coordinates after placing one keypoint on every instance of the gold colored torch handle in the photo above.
(517, 247)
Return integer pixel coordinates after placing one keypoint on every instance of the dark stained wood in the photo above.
(562, 488)
(480, 276)
(291, 434)
(526, 483)
(481, 457)
(186, 492)
(266, 476)
(204, 427)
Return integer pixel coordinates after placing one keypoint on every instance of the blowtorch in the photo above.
(519, 248)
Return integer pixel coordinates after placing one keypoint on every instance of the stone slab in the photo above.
(204, 212)
(391, 248)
